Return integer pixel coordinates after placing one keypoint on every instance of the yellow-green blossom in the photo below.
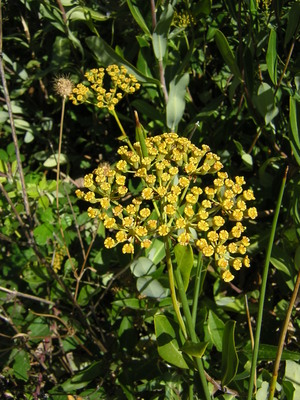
(182, 194)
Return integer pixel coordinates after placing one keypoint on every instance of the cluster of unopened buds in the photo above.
(182, 195)
(102, 93)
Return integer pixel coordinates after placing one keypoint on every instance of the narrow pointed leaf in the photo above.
(294, 131)
(230, 359)
(227, 54)
(271, 56)
(160, 34)
(176, 102)
(135, 11)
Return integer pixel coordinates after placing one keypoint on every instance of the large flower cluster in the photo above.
(183, 194)
(94, 91)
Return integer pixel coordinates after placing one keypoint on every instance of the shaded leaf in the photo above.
(215, 328)
(194, 349)
(271, 57)
(230, 359)
(227, 53)
(135, 11)
(294, 132)
(168, 347)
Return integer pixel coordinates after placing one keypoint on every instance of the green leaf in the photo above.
(42, 233)
(194, 349)
(135, 11)
(288, 389)
(84, 377)
(262, 393)
(293, 24)
(230, 359)
(227, 54)
(85, 295)
(265, 102)
(79, 13)
(176, 101)
(105, 55)
(271, 56)
(283, 262)
(292, 374)
(157, 251)
(268, 352)
(52, 160)
(151, 287)
(134, 304)
(294, 132)
(215, 328)
(297, 258)
(142, 266)
(167, 341)
(160, 34)
(202, 7)
(21, 365)
(185, 260)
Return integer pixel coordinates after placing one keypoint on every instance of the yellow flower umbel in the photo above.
(97, 90)
(183, 195)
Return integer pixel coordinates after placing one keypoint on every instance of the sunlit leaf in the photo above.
(184, 260)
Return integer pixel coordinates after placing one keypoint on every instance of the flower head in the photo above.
(63, 86)
(183, 195)
(96, 90)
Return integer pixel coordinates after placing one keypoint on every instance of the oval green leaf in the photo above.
(167, 341)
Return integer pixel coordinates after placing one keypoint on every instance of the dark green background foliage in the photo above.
(232, 80)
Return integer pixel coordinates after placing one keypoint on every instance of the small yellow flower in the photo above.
(227, 276)
(163, 230)
(121, 236)
(184, 238)
(128, 248)
(109, 243)
(147, 194)
(145, 212)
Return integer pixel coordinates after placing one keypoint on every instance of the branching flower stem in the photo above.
(263, 288)
(124, 134)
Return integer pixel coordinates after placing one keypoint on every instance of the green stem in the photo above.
(124, 134)
(172, 287)
(282, 338)
(263, 288)
(191, 330)
(197, 288)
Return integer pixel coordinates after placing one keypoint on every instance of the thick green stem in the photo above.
(172, 287)
(263, 289)
(197, 288)
(191, 330)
